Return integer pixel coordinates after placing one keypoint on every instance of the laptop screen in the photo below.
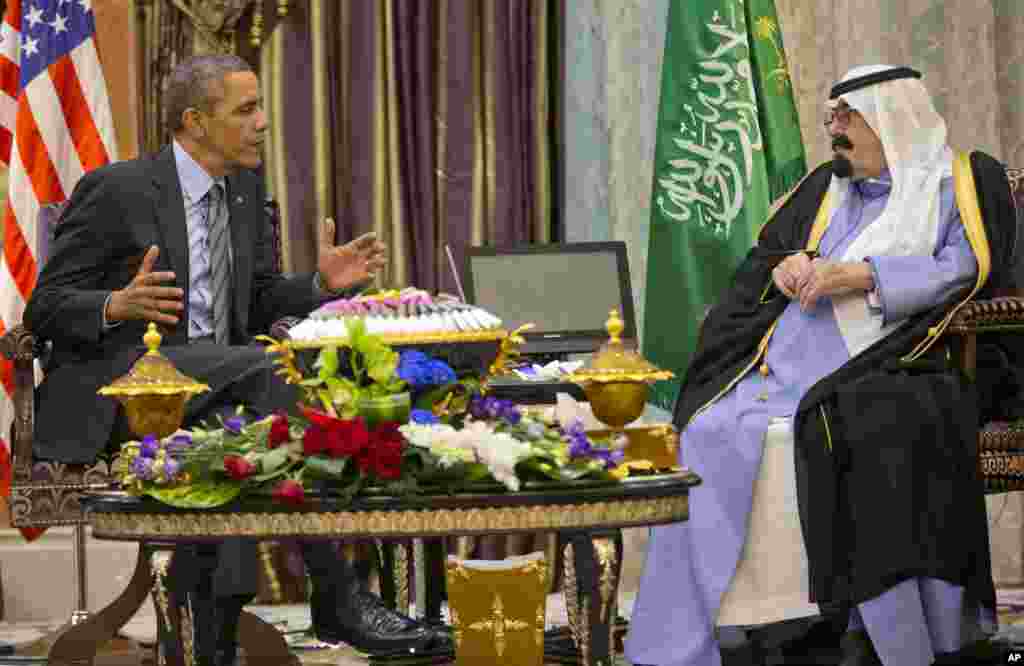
(565, 290)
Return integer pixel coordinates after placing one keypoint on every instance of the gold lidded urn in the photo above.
(616, 379)
(153, 392)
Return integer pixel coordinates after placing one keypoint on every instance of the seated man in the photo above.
(835, 470)
(180, 238)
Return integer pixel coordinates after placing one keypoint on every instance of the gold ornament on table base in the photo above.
(498, 609)
(153, 392)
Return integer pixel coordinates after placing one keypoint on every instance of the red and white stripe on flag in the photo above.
(55, 124)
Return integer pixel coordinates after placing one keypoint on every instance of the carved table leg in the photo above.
(433, 570)
(591, 586)
(77, 645)
(394, 574)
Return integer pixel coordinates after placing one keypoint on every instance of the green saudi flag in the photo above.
(728, 145)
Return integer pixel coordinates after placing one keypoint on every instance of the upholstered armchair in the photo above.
(47, 493)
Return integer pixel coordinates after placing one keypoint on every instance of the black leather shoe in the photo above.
(344, 612)
(858, 650)
(363, 621)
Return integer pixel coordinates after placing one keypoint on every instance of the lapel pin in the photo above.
(239, 199)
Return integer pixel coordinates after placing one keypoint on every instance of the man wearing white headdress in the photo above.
(837, 447)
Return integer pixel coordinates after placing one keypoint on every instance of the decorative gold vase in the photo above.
(617, 378)
(153, 392)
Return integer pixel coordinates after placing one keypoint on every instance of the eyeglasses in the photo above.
(840, 115)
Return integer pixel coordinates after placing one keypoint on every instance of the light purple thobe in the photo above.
(689, 565)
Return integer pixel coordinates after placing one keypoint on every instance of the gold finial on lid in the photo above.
(614, 326)
(152, 338)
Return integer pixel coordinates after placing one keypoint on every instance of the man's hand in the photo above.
(144, 299)
(345, 266)
(790, 271)
(833, 278)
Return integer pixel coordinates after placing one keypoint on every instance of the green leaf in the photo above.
(273, 459)
(342, 391)
(199, 495)
(542, 467)
(576, 470)
(349, 491)
(381, 364)
(476, 472)
(322, 467)
(327, 362)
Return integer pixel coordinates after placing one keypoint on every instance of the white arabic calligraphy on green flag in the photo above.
(728, 145)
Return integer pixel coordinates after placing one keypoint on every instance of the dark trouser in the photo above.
(236, 376)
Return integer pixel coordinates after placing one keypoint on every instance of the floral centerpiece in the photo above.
(399, 422)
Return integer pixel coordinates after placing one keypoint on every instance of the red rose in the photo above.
(314, 440)
(319, 418)
(278, 434)
(387, 460)
(365, 460)
(290, 492)
(386, 445)
(238, 468)
(388, 431)
(347, 438)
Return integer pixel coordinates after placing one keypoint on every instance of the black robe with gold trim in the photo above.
(886, 451)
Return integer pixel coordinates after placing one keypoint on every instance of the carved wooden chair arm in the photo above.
(21, 348)
(1004, 313)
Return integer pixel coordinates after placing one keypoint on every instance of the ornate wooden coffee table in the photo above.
(587, 516)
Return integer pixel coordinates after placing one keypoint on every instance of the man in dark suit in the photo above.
(180, 238)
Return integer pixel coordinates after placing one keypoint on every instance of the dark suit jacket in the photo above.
(114, 215)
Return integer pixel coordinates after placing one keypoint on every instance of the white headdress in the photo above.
(896, 105)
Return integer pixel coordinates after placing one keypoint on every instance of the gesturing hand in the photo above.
(344, 266)
(790, 272)
(143, 298)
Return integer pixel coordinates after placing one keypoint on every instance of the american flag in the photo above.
(55, 124)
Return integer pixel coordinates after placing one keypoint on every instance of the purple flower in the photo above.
(142, 468)
(234, 425)
(609, 458)
(493, 409)
(579, 446)
(149, 447)
(579, 443)
(423, 417)
(478, 408)
(171, 468)
(178, 444)
(511, 414)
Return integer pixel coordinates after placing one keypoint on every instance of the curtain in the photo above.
(431, 123)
